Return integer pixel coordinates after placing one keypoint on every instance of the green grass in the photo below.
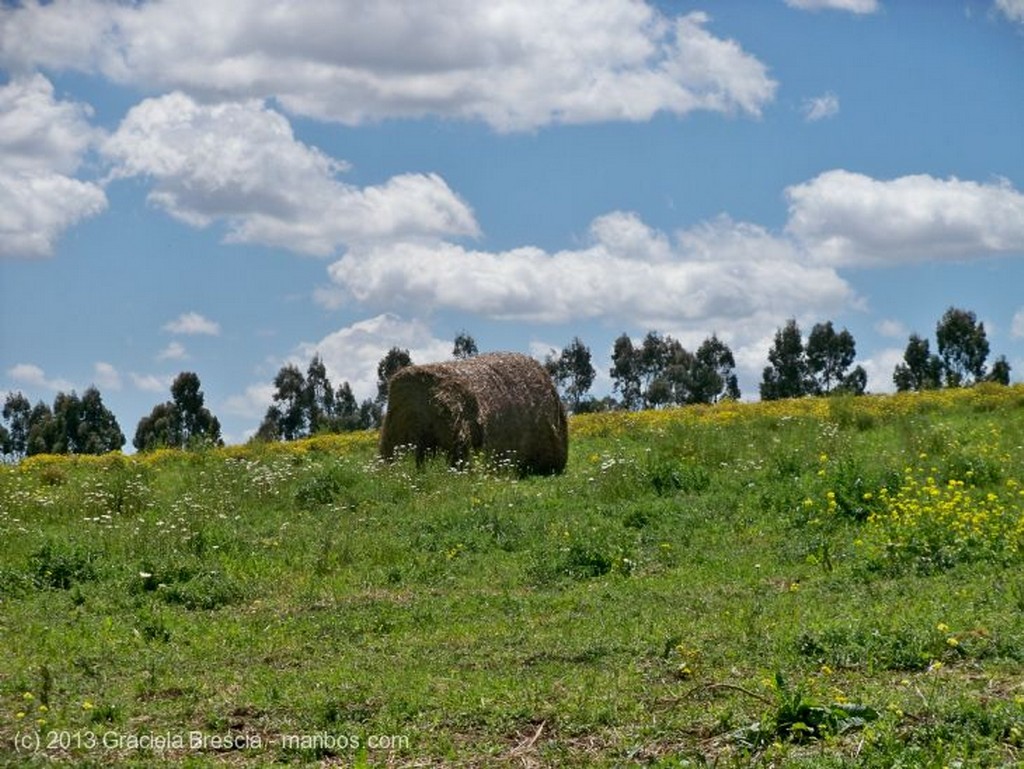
(721, 587)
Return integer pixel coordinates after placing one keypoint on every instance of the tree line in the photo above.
(961, 360)
(307, 404)
(654, 372)
(182, 422)
(73, 425)
(822, 365)
(84, 425)
(819, 367)
(659, 371)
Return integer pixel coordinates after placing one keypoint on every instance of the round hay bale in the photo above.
(502, 404)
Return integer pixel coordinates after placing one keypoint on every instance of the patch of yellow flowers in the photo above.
(983, 397)
(335, 443)
(942, 522)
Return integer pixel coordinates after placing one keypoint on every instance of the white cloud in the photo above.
(39, 133)
(174, 351)
(715, 74)
(1017, 324)
(351, 354)
(541, 350)
(1011, 9)
(240, 163)
(150, 382)
(893, 329)
(67, 34)
(845, 218)
(821, 107)
(722, 273)
(853, 6)
(733, 278)
(106, 377)
(31, 375)
(192, 323)
(42, 142)
(252, 404)
(879, 367)
(36, 209)
(516, 64)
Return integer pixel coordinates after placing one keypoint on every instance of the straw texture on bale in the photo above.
(503, 404)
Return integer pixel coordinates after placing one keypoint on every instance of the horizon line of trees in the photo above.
(183, 422)
(307, 404)
(819, 367)
(961, 361)
(654, 373)
(660, 372)
(73, 425)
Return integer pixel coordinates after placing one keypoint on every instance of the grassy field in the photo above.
(824, 582)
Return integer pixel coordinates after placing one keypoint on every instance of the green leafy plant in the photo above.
(795, 717)
(61, 565)
(667, 476)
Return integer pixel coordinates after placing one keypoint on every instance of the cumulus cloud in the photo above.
(31, 375)
(351, 354)
(39, 133)
(192, 323)
(251, 404)
(174, 351)
(42, 143)
(1017, 324)
(240, 163)
(721, 272)
(821, 107)
(516, 64)
(732, 277)
(1012, 9)
(150, 383)
(893, 329)
(880, 366)
(106, 376)
(36, 210)
(845, 218)
(853, 6)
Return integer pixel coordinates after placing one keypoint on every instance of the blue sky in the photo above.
(228, 187)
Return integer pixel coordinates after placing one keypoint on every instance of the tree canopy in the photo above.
(307, 404)
(963, 347)
(182, 422)
(464, 347)
(572, 371)
(660, 372)
(963, 350)
(920, 369)
(395, 359)
(787, 374)
(74, 425)
(821, 367)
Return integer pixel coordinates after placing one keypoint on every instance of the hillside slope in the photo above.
(823, 582)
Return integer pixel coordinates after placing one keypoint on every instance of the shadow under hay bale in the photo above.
(502, 404)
